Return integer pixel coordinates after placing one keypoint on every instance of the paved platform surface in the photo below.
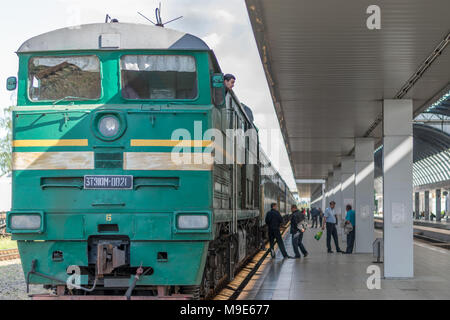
(324, 275)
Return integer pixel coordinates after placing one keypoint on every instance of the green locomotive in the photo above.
(117, 184)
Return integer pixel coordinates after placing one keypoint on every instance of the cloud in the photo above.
(224, 17)
(212, 40)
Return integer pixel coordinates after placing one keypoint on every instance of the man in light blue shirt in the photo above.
(330, 222)
(329, 214)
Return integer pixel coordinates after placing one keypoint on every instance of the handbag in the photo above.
(348, 228)
(301, 227)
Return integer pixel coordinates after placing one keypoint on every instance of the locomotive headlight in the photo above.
(192, 221)
(25, 222)
(109, 126)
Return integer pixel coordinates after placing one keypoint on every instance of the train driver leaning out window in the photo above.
(229, 81)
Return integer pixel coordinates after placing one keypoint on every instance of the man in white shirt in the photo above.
(331, 222)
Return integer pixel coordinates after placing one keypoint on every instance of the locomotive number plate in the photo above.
(108, 182)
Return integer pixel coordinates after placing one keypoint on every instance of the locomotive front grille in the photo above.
(108, 160)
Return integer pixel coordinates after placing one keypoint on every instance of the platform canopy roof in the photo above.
(328, 72)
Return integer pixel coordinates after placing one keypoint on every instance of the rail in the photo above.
(9, 254)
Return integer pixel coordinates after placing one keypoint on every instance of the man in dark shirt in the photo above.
(315, 215)
(297, 231)
(273, 221)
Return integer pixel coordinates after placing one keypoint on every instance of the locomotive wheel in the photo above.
(205, 285)
(205, 288)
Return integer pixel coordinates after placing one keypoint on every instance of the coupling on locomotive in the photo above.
(134, 171)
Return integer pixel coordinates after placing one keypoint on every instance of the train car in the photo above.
(120, 184)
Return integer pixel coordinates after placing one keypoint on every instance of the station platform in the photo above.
(330, 276)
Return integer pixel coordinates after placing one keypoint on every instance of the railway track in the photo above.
(432, 241)
(9, 254)
(421, 236)
(232, 290)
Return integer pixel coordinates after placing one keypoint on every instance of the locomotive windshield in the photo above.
(56, 78)
(165, 77)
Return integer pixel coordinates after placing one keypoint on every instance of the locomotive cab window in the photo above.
(159, 77)
(68, 78)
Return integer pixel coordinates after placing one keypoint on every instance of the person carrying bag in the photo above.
(349, 229)
(298, 227)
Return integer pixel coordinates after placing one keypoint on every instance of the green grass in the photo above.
(7, 243)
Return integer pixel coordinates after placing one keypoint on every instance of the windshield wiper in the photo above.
(70, 97)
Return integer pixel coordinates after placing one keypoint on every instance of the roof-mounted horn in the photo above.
(159, 22)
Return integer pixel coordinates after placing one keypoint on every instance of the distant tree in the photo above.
(6, 141)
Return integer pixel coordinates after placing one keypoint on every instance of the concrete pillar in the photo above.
(427, 205)
(447, 204)
(330, 189)
(438, 205)
(338, 199)
(417, 204)
(323, 198)
(338, 192)
(398, 188)
(328, 199)
(364, 191)
(348, 182)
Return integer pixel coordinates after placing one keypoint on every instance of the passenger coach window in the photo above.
(71, 78)
(158, 77)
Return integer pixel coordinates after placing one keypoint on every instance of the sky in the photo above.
(223, 25)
